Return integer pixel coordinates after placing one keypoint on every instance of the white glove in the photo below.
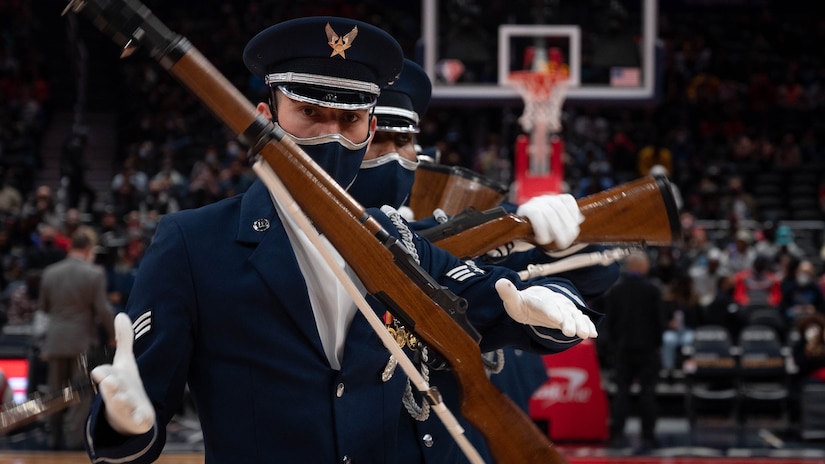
(540, 306)
(555, 218)
(128, 409)
(407, 213)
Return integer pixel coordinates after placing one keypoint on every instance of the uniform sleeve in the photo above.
(591, 281)
(485, 311)
(161, 308)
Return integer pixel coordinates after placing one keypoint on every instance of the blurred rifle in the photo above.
(641, 211)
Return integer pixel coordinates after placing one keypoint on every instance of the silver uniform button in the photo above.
(428, 440)
(346, 460)
(260, 225)
(339, 392)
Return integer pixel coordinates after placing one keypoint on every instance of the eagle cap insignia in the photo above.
(340, 44)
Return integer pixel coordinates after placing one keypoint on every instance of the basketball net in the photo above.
(543, 92)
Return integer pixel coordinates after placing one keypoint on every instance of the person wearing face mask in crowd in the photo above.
(808, 352)
(234, 301)
(809, 348)
(386, 177)
(802, 296)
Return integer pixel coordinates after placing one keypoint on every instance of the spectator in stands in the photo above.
(757, 286)
(597, 178)
(129, 186)
(809, 348)
(655, 153)
(723, 310)
(786, 272)
(621, 152)
(737, 203)
(739, 254)
(73, 169)
(682, 307)
(234, 179)
(802, 297)
(808, 351)
(167, 188)
(705, 273)
(11, 200)
(821, 278)
(71, 222)
(111, 232)
(47, 248)
(765, 153)
(23, 299)
(788, 154)
(765, 241)
(121, 275)
(490, 160)
(41, 207)
(668, 263)
(696, 244)
(786, 243)
(204, 183)
(635, 325)
(10, 256)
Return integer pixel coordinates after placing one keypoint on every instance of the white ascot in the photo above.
(332, 306)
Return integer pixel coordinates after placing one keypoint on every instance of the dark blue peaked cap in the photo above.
(405, 101)
(329, 61)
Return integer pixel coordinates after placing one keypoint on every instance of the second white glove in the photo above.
(128, 409)
(555, 218)
(540, 306)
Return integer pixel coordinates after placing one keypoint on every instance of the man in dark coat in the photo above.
(635, 325)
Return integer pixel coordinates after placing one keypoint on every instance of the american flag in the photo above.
(625, 77)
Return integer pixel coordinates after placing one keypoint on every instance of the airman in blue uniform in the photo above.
(386, 178)
(233, 301)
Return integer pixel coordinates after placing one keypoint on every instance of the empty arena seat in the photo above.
(710, 368)
(763, 374)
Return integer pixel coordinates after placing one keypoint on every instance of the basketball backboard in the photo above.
(470, 46)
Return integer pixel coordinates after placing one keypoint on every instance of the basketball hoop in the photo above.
(543, 94)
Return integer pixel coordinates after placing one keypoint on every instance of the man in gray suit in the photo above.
(73, 295)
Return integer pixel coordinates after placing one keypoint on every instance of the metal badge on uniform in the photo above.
(260, 225)
(340, 44)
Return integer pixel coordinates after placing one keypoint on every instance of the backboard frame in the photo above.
(491, 93)
(572, 33)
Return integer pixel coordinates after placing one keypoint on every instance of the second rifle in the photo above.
(641, 211)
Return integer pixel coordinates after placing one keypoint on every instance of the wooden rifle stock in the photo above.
(640, 211)
(511, 435)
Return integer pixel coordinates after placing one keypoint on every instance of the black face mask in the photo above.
(336, 154)
(387, 180)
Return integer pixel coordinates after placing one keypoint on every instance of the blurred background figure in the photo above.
(73, 168)
(802, 296)
(635, 323)
(73, 296)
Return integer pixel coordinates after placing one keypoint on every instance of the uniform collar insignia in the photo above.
(260, 225)
(339, 44)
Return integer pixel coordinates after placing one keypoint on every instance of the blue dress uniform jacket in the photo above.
(433, 444)
(222, 305)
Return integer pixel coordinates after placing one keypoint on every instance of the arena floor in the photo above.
(713, 442)
(195, 458)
